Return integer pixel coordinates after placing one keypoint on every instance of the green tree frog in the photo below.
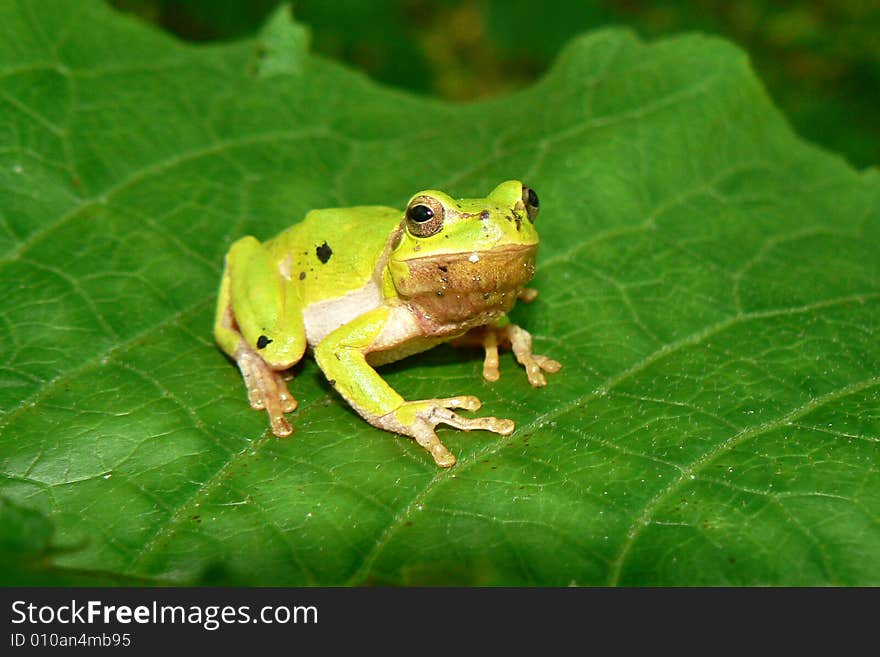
(364, 286)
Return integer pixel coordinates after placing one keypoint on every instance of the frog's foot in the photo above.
(267, 389)
(535, 364)
(520, 340)
(418, 420)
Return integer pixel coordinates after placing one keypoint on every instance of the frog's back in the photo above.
(334, 251)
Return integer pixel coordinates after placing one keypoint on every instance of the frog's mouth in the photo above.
(456, 291)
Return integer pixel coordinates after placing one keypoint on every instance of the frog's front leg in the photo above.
(503, 333)
(343, 358)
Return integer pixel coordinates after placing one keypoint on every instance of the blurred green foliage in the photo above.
(820, 61)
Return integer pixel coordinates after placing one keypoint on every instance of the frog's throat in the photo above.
(453, 292)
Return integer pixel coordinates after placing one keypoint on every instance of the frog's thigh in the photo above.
(267, 310)
(224, 332)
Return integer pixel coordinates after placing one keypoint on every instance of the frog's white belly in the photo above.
(324, 317)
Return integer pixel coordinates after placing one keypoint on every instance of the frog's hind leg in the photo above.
(262, 374)
(267, 389)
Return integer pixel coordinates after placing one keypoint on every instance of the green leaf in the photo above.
(709, 281)
(285, 45)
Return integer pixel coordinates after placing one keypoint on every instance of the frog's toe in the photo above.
(527, 294)
(490, 362)
(288, 403)
(278, 402)
(464, 402)
(536, 365)
(280, 426)
(423, 431)
(444, 458)
(533, 371)
(493, 424)
(255, 399)
(491, 372)
(547, 364)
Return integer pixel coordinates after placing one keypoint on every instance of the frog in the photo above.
(363, 286)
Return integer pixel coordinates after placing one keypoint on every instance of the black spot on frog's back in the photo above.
(324, 252)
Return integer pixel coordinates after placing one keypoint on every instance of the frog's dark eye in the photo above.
(420, 214)
(530, 200)
(424, 216)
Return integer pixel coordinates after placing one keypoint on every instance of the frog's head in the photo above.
(462, 262)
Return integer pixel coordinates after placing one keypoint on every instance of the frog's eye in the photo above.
(530, 200)
(424, 216)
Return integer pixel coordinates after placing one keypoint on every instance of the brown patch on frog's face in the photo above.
(461, 263)
(456, 291)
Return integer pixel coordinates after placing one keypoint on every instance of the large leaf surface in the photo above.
(709, 281)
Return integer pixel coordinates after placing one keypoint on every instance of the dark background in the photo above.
(819, 61)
